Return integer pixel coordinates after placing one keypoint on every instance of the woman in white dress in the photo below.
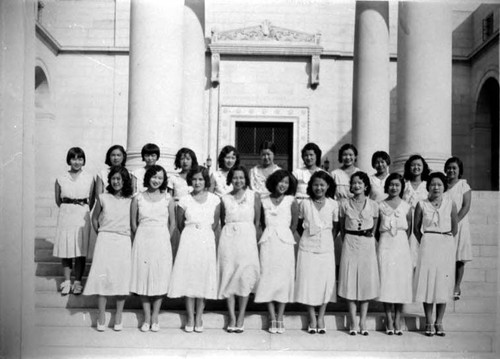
(460, 192)
(111, 266)
(311, 155)
(194, 275)
(394, 256)
(238, 257)
(74, 195)
(150, 154)
(435, 226)
(228, 158)
(380, 163)
(260, 173)
(152, 222)
(116, 156)
(348, 155)
(185, 160)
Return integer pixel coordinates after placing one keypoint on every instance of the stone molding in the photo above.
(265, 39)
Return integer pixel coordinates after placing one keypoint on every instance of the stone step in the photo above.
(453, 322)
(466, 344)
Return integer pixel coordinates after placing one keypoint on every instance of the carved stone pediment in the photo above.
(265, 39)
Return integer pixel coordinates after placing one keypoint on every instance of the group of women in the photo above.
(234, 232)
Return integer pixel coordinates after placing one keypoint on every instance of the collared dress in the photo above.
(277, 254)
(112, 263)
(342, 181)
(258, 180)
(303, 175)
(195, 269)
(394, 256)
(358, 274)
(412, 197)
(238, 257)
(151, 251)
(434, 279)
(377, 193)
(315, 282)
(462, 239)
(73, 221)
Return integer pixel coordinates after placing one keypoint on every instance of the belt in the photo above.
(365, 233)
(80, 201)
(444, 233)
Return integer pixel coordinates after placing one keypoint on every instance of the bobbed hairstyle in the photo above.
(127, 189)
(345, 147)
(276, 177)
(317, 151)
(224, 152)
(267, 145)
(330, 192)
(150, 149)
(439, 175)
(458, 161)
(425, 171)
(198, 169)
(75, 152)
(241, 168)
(151, 172)
(363, 177)
(185, 151)
(111, 149)
(395, 176)
(382, 155)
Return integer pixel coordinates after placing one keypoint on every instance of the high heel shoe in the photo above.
(118, 327)
(439, 329)
(273, 329)
(352, 332)
(101, 327)
(389, 331)
(188, 328)
(311, 330)
(281, 327)
(428, 330)
(65, 287)
(398, 332)
(145, 327)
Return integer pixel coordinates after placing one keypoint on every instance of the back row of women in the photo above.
(189, 242)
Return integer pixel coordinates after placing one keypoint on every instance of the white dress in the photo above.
(111, 266)
(179, 186)
(462, 239)
(258, 180)
(342, 181)
(139, 179)
(435, 273)
(238, 257)
(221, 187)
(377, 193)
(195, 270)
(152, 251)
(394, 256)
(412, 197)
(277, 254)
(303, 175)
(73, 222)
(315, 282)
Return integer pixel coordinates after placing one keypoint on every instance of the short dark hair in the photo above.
(127, 189)
(439, 175)
(185, 151)
(276, 177)
(425, 171)
(151, 171)
(150, 149)
(235, 168)
(267, 145)
(459, 162)
(330, 192)
(394, 176)
(345, 147)
(75, 152)
(383, 155)
(111, 149)
(224, 152)
(198, 169)
(363, 177)
(317, 151)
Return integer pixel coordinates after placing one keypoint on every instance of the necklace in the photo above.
(358, 200)
(319, 201)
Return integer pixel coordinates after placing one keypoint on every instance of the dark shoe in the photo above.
(398, 332)
(311, 330)
(439, 329)
(428, 330)
(456, 295)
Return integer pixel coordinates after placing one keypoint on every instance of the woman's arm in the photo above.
(212, 184)
(465, 205)
(57, 192)
(92, 195)
(417, 224)
(454, 219)
(134, 213)
(375, 226)
(295, 216)
(95, 215)
(216, 217)
(409, 220)
(99, 186)
(222, 215)
(180, 218)
(258, 213)
(134, 182)
(171, 216)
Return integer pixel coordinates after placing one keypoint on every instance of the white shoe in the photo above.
(65, 287)
(155, 327)
(145, 327)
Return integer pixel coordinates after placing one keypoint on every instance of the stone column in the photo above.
(371, 94)
(155, 78)
(424, 82)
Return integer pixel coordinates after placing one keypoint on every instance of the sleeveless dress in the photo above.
(195, 270)
(238, 257)
(277, 254)
(377, 193)
(435, 273)
(221, 187)
(315, 282)
(258, 180)
(462, 239)
(342, 181)
(303, 175)
(111, 266)
(151, 251)
(73, 222)
(394, 256)
(412, 197)
(358, 275)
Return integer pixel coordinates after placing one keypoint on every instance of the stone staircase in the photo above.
(65, 326)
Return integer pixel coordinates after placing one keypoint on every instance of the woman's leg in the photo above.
(321, 317)
(190, 312)
(120, 303)
(389, 322)
(231, 312)
(440, 309)
(146, 307)
(79, 268)
(398, 309)
(200, 307)
(363, 310)
(101, 305)
(156, 309)
(459, 274)
(242, 304)
(313, 324)
(352, 314)
(67, 264)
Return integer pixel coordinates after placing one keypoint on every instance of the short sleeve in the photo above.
(183, 202)
(301, 209)
(374, 208)
(466, 187)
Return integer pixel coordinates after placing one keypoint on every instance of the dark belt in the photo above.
(365, 233)
(80, 201)
(445, 233)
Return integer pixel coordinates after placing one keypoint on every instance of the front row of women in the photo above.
(236, 268)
